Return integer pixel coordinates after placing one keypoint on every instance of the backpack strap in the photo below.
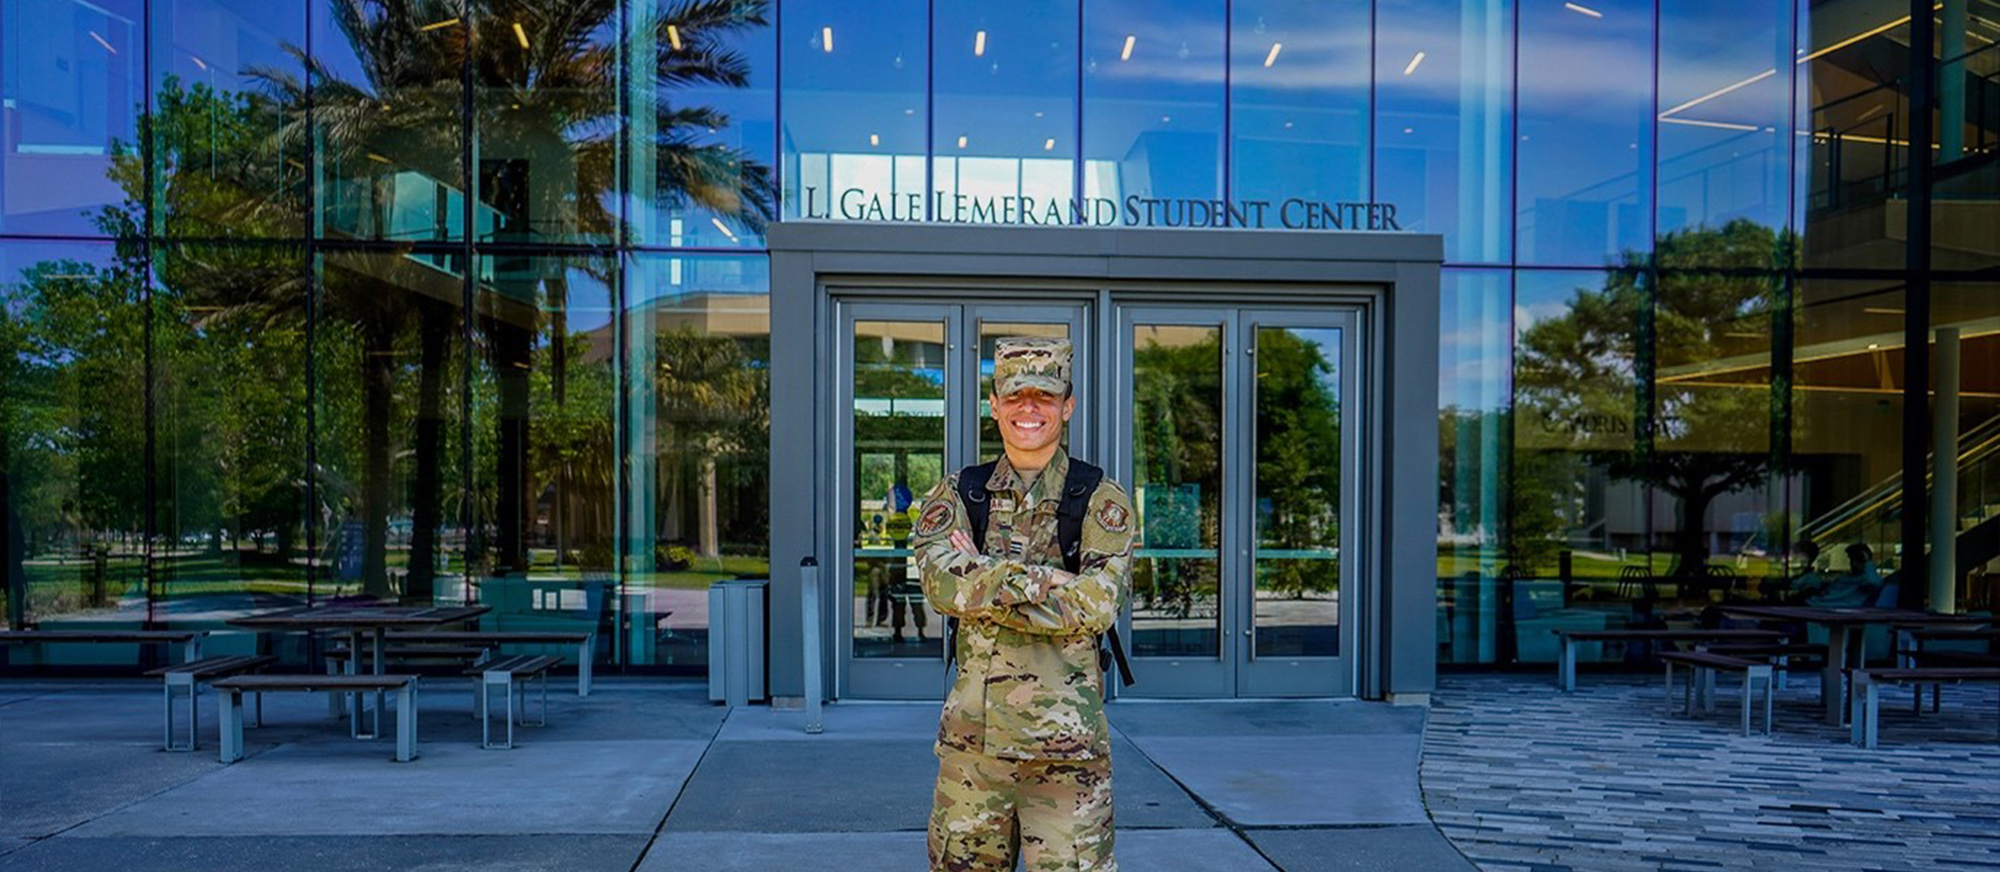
(1078, 485)
(1079, 482)
(978, 507)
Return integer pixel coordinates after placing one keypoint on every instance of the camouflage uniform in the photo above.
(1024, 751)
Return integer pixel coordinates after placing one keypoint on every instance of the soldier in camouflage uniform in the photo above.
(1024, 753)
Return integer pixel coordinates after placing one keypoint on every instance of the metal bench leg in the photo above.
(257, 700)
(545, 700)
(1864, 710)
(336, 703)
(406, 723)
(488, 680)
(167, 722)
(1566, 666)
(1707, 691)
(1770, 694)
(1747, 683)
(585, 652)
(232, 728)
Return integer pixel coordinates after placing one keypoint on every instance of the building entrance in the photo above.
(1230, 425)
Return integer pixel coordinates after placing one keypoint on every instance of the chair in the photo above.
(1635, 580)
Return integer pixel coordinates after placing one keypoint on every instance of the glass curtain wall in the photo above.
(329, 305)
(412, 300)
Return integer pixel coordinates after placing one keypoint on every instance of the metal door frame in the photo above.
(962, 312)
(1394, 276)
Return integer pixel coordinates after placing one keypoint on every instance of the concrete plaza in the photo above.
(648, 775)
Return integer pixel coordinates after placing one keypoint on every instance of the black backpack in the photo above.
(1078, 485)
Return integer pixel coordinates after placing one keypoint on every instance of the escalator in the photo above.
(1875, 515)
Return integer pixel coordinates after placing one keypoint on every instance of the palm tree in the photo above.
(544, 78)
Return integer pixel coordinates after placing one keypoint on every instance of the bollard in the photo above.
(809, 607)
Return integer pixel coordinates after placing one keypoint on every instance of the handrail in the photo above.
(1975, 446)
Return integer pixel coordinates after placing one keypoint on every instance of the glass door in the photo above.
(1298, 394)
(913, 384)
(1238, 454)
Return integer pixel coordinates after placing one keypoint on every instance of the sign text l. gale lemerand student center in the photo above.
(1293, 213)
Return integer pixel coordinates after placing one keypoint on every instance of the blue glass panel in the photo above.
(1153, 100)
(1852, 98)
(701, 125)
(389, 121)
(547, 121)
(696, 443)
(71, 88)
(854, 108)
(1299, 101)
(1004, 80)
(75, 449)
(1444, 91)
(1474, 381)
(229, 117)
(1584, 195)
(1576, 401)
(1724, 152)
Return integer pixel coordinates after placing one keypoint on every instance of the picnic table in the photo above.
(189, 640)
(373, 622)
(1840, 625)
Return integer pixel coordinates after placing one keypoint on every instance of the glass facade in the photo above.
(455, 301)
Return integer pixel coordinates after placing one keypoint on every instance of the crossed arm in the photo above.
(1043, 600)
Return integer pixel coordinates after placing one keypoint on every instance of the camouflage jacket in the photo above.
(1029, 686)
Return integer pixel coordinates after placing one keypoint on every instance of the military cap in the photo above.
(1030, 362)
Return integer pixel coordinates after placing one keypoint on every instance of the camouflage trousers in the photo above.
(1055, 814)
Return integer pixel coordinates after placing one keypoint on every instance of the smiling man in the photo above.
(1030, 556)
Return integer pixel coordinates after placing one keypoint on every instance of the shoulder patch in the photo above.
(937, 518)
(1113, 517)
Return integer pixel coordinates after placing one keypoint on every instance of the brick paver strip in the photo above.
(1521, 777)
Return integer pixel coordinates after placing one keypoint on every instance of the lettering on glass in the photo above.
(945, 207)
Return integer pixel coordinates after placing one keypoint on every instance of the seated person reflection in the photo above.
(1810, 578)
(1853, 588)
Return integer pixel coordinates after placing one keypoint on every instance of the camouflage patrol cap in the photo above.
(1030, 362)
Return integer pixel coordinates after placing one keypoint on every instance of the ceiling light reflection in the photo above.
(1414, 62)
(1123, 55)
(1272, 58)
(826, 39)
(674, 36)
(979, 44)
(1583, 10)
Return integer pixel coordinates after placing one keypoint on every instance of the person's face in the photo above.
(1031, 419)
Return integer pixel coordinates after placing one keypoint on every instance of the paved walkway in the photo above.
(1524, 778)
(649, 776)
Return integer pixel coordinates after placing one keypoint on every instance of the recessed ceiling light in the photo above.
(979, 44)
(826, 39)
(1126, 53)
(1272, 58)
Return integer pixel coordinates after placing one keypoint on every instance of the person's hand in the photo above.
(963, 542)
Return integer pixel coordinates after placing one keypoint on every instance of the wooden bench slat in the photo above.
(496, 637)
(1668, 635)
(1704, 658)
(1936, 673)
(105, 636)
(312, 682)
(218, 665)
(412, 651)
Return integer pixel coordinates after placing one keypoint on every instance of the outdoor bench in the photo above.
(191, 676)
(189, 640)
(1865, 707)
(462, 653)
(585, 643)
(235, 686)
(508, 675)
(1702, 666)
(1783, 657)
(1566, 660)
